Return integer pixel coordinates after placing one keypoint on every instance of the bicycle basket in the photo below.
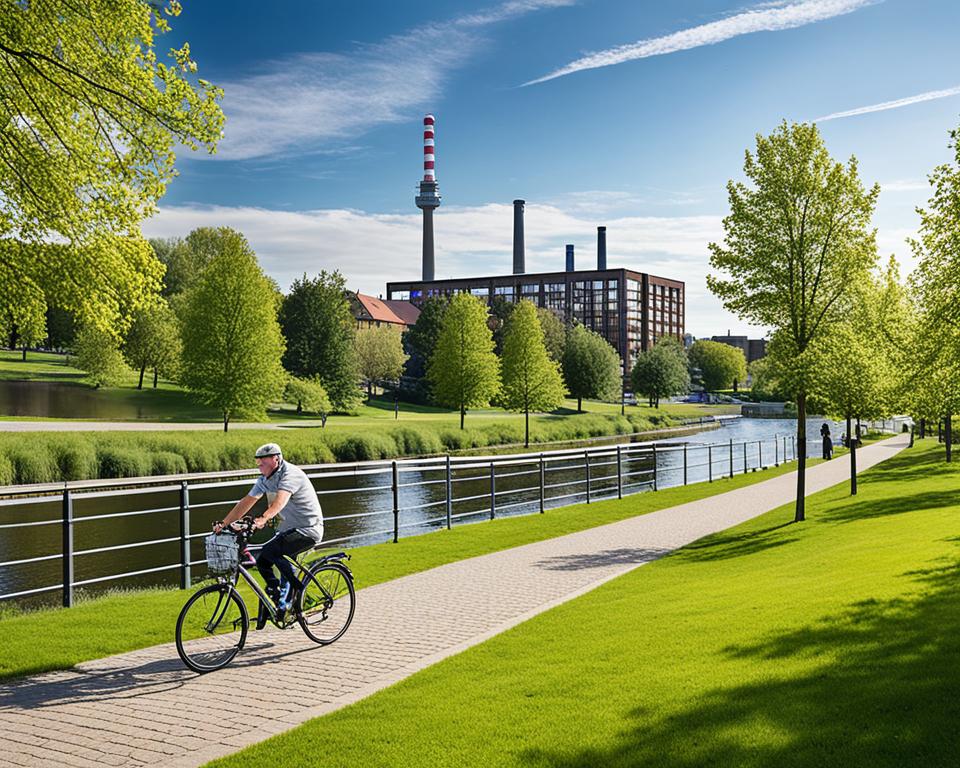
(222, 553)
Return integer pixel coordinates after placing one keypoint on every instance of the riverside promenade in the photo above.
(145, 708)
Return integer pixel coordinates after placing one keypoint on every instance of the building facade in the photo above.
(631, 310)
(370, 312)
(753, 349)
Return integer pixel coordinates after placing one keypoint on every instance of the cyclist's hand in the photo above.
(258, 523)
(218, 526)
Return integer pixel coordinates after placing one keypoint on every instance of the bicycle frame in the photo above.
(264, 600)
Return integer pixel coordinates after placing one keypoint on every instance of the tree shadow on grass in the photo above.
(877, 686)
(608, 557)
(727, 545)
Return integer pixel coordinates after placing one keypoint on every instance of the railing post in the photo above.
(542, 473)
(654, 466)
(710, 463)
(67, 549)
(684, 463)
(493, 491)
(760, 454)
(619, 473)
(793, 445)
(776, 452)
(744, 457)
(184, 536)
(396, 503)
(449, 493)
(586, 466)
(731, 457)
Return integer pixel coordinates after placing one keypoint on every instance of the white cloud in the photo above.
(767, 17)
(895, 104)
(305, 99)
(904, 185)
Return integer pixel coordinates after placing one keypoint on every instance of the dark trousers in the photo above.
(287, 543)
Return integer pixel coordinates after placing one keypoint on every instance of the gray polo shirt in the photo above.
(302, 512)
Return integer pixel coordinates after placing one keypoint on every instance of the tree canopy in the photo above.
(232, 344)
(661, 371)
(309, 395)
(720, 364)
(531, 380)
(95, 117)
(463, 371)
(797, 237)
(591, 367)
(380, 354)
(320, 332)
(421, 337)
(554, 333)
(153, 341)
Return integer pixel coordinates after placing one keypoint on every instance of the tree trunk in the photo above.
(156, 375)
(923, 428)
(299, 407)
(369, 390)
(463, 412)
(526, 428)
(948, 432)
(323, 420)
(226, 420)
(579, 405)
(143, 369)
(24, 354)
(801, 457)
(853, 457)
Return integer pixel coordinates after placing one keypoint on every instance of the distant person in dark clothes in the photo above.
(827, 442)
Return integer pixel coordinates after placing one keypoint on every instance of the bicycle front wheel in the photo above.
(212, 628)
(326, 603)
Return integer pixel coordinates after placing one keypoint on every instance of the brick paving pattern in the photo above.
(144, 707)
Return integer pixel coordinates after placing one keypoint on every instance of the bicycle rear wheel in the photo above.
(211, 628)
(326, 603)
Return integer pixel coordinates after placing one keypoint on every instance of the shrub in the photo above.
(6, 470)
(167, 463)
(76, 458)
(123, 461)
(33, 465)
(410, 441)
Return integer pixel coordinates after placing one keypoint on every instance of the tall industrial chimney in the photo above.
(601, 248)
(570, 258)
(518, 251)
(429, 197)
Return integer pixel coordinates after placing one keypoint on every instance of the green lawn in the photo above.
(59, 638)
(835, 642)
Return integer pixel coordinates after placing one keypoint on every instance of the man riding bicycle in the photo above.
(291, 495)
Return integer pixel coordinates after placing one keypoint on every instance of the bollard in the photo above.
(184, 536)
(760, 453)
(731, 457)
(684, 463)
(744, 457)
(654, 466)
(396, 503)
(449, 493)
(67, 549)
(710, 463)
(776, 452)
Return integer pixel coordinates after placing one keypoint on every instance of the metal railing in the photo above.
(392, 498)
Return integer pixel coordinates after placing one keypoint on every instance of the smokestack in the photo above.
(570, 258)
(518, 250)
(601, 247)
(429, 197)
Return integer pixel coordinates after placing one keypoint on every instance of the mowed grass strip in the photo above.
(59, 638)
(831, 642)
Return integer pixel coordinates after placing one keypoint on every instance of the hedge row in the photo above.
(56, 457)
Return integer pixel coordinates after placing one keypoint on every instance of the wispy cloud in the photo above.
(767, 17)
(905, 185)
(895, 104)
(308, 99)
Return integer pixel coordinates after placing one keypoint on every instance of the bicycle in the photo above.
(212, 626)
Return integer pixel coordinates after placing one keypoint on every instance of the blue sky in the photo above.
(621, 113)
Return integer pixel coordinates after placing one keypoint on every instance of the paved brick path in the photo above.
(144, 708)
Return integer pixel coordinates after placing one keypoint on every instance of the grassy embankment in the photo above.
(835, 642)
(371, 432)
(48, 639)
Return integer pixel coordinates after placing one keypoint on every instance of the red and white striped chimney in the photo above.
(428, 157)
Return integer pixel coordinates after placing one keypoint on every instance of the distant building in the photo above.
(753, 349)
(371, 312)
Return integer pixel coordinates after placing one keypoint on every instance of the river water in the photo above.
(358, 504)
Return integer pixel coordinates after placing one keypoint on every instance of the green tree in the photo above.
(153, 341)
(554, 333)
(661, 371)
(531, 380)
(61, 328)
(420, 339)
(721, 366)
(500, 312)
(380, 354)
(231, 340)
(319, 328)
(796, 238)
(97, 353)
(765, 384)
(591, 367)
(937, 285)
(92, 118)
(309, 395)
(463, 371)
(24, 324)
